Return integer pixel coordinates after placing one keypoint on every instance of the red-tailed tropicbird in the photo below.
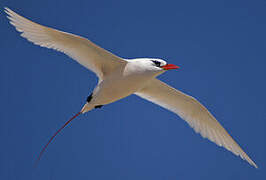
(120, 77)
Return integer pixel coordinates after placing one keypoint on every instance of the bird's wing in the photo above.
(81, 49)
(194, 113)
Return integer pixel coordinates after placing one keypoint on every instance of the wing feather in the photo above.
(195, 114)
(82, 50)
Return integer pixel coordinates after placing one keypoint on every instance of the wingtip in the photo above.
(250, 161)
(255, 165)
(6, 10)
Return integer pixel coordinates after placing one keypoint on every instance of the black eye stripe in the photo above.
(157, 63)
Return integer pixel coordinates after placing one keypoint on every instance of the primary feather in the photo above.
(80, 49)
(194, 113)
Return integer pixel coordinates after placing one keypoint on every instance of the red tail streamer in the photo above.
(50, 140)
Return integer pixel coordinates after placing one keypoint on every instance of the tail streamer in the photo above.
(50, 140)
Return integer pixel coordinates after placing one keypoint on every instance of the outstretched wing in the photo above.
(195, 114)
(80, 49)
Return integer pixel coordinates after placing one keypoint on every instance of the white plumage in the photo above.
(119, 78)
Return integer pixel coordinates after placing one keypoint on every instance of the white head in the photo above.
(151, 65)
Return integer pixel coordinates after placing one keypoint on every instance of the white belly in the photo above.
(115, 88)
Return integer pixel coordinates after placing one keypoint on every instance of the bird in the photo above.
(119, 78)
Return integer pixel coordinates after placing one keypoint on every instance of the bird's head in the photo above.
(161, 65)
(152, 65)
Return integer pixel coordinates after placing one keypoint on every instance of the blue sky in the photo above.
(220, 47)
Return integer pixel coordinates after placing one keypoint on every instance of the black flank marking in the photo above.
(99, 106)
(89, 98)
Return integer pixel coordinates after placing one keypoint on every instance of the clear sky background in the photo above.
(220, 47)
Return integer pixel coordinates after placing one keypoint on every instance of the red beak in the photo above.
(169, 66)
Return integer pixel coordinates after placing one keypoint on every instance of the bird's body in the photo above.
(123, 81)
(120, 77)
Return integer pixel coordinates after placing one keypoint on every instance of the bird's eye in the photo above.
(157, 63)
